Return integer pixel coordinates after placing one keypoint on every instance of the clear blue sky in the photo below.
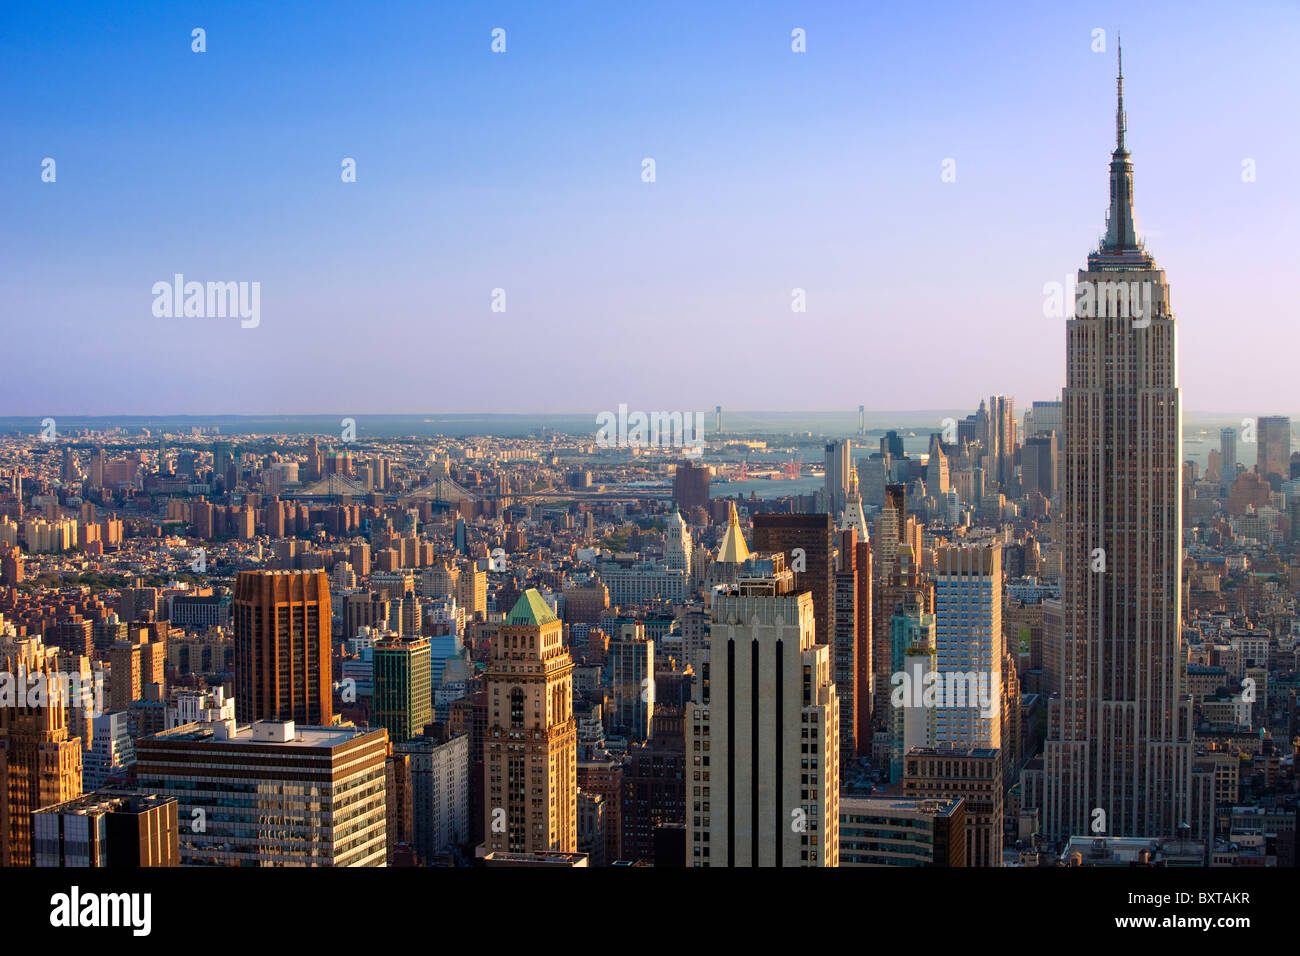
(522, 171)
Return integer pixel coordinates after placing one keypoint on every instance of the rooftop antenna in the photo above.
(1121, 121)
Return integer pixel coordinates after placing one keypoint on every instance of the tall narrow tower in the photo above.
(1120, 736)
(531, 748)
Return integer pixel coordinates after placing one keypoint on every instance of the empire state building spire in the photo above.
(1121, 235)
(1119, 753)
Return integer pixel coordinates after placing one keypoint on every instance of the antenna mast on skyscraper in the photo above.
(1121, 121)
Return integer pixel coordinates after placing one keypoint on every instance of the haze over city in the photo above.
(724, 437)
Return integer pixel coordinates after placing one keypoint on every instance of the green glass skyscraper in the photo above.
(403, 687)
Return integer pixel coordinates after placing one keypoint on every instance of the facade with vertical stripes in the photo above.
(764, 734)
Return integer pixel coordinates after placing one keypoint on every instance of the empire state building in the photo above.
(1118, 758)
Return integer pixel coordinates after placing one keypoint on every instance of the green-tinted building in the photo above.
(403, 684)
(912, 659)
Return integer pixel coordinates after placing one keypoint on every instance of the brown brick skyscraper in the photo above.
(282, 647)
(815, 535)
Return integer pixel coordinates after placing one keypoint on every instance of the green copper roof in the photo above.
(530, 610)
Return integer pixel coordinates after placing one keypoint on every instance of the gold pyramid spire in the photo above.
(733, 548)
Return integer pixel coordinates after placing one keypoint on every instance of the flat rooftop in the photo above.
(882, 805)
(107, 801)
(303, 736)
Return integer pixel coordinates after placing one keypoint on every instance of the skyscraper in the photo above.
(440, 809)
(764, 734)
(845, 645)
(839, 458)
(471, 590)
(403, 690)
(968, 641)
(531, 751)
(853, 516)
(691, 486)
(912, 653)
(807, 541)
(1120, 736)
(936, 469)
(1274, 460)
(1228, 457)
(1000, 463)
(864, 692)
(1039, 465)
(677, 542)
(283, 657)
(632, 668)
(896, 573)
(40, 761)
(97, 461)
(222, 459)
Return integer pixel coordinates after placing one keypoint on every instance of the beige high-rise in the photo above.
(531, 738)
(471, 590)
(763, 731)
(1120, 735)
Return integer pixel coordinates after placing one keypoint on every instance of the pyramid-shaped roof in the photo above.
(530, 610)
(733, 549)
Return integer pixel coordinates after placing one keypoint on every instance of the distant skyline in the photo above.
(774, 170)
(798, 425)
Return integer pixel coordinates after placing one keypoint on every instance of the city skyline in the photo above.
(725, 608)
(832, 182)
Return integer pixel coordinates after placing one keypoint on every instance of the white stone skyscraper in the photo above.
(763, 732)
(1119, 752)
(853, 516)
(677, 543)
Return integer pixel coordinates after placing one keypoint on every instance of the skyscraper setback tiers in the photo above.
(1119, 753)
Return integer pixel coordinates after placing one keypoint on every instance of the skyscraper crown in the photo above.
(1121, 234)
